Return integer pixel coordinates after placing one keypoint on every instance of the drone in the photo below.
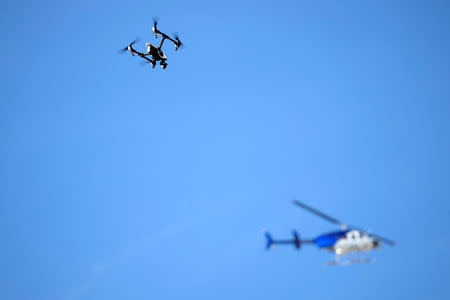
(155, 52)
(348, 240)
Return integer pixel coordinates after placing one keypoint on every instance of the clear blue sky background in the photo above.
(118, 181)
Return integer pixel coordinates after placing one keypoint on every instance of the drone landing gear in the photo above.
(163, 64)
(153, 63)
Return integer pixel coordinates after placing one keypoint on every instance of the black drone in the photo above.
(155, 52)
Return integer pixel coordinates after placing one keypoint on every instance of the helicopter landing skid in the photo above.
(349, 260)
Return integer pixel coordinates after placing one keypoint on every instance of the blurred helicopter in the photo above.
(155, 52)
(349, 239)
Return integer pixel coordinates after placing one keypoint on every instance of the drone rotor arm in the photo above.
(176, 40)
(165, 36)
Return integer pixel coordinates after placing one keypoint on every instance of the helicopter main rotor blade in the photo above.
(337, 222)
(383, 239)
(318, 213)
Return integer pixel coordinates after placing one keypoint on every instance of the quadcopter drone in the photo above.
(155, 52)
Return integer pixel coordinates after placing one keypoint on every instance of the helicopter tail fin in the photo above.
(269, 239)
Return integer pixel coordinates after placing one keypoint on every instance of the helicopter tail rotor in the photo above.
(296, 240)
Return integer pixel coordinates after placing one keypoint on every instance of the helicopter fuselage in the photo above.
(344, 241)
(349, 239)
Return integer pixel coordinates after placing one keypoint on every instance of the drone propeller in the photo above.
(178, 43)
(154, 28)
(343, 225)
(131, 44)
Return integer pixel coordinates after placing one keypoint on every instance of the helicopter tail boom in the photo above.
(270, 243)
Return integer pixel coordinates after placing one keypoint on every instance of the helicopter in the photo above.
(156, 53)
(348, 240)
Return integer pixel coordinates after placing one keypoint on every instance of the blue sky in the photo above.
(123, 182)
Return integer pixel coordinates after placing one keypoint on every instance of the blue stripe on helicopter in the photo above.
(328, 240)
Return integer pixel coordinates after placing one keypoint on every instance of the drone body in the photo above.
(344, 241)
(155, 52)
